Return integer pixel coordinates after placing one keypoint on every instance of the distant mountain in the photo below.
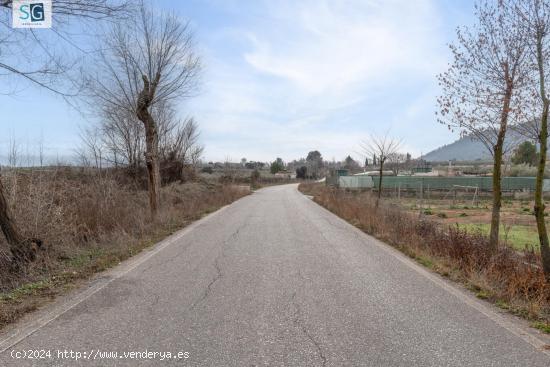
(464, 149)
(468, 149)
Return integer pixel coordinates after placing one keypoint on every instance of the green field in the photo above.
(518, 236)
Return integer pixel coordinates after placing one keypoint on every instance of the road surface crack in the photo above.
(155, 301)
(217, 267)
(298, 322)
(210, 285)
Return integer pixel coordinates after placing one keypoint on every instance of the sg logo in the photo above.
(31, 13)
(34, 11)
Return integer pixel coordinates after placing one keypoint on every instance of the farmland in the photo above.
(518, 227)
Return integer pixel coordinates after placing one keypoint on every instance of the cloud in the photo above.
(326, 46)
(296, 76)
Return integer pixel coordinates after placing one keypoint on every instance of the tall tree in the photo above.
(525, 153)
(535, 22)
(26, 56)
(314, 162)
(145, 64)
(277, 166)
(350, 164)
(483, 89)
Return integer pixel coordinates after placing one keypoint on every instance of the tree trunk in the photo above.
(497, 165)
(380, 179)
(22, 250)
(151, 144)
(539, 199)
(497, 197)
(543, 141)
(152, 163)
(380, 183)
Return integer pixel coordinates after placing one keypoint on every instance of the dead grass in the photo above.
(89, 222)
(508, 277)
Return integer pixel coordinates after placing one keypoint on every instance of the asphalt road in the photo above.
(271, 280)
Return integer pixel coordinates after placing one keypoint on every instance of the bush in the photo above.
(254, 178)
(301, 172)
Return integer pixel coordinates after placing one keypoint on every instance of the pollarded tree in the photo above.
(145, 63)
(484, 88)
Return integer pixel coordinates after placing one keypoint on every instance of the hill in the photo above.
(468, 148)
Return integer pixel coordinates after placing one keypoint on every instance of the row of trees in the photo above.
(119, 142)
(497, 82)
(312, 166)
(144, 64)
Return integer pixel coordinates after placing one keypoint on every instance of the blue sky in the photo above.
(282, 78)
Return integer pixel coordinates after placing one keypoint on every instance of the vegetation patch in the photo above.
(518, 236)
(542, 326)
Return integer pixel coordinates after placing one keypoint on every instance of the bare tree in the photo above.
(26, 56)
(92, 151)
(195, 155)
(177, 138)
(395, 161)
(383, 147)
(535, 22)
(483, 89)
(123, 136)
(146, 63)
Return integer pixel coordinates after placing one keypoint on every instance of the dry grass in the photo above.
(89, 222)
(512, 279)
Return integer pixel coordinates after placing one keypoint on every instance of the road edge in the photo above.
(33, 321)
(507, 321)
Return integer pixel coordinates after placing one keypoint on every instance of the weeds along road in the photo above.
(271, 280)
